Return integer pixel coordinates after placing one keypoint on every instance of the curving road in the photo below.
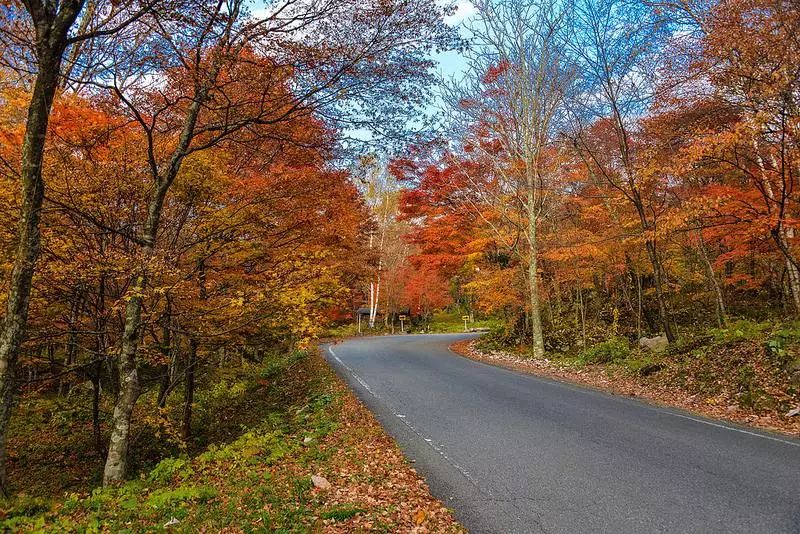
(511, 452)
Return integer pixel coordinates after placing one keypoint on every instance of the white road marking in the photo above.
(579, 387)
(403, 419)
(726, 427)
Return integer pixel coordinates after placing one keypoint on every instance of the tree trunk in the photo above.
(51, 34)
(96, 430)
(719, 301)
(168, 352)
(117, 458)
(537, 337)
(793, 281)
(188, 391)
(582, 315)
(781, 237)
(663, 310)
(638, 304)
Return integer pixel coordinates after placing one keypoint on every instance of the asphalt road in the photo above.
(511, 452)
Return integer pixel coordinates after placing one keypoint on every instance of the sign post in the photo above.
(402, 326)
(465, 318)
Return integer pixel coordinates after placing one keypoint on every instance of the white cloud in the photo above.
(464, 10)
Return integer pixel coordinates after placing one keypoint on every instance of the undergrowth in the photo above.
(750, 365)
(200, 490)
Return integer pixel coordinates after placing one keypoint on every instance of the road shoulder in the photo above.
(618, 382)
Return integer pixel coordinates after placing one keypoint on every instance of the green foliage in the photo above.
(564, 334)
(782, 344)
(348, 329)
(740, 330)
(644, 365)
(499, 337)
(275, 364)
(162, 498)
(611, 350)
(451, 322)
(253, 447)
(25, 505)
(342, 513)
(176, 483)
(170, 468)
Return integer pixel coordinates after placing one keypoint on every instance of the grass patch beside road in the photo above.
(310, 426)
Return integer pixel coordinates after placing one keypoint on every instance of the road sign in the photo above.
(465, 317)
(402, 317)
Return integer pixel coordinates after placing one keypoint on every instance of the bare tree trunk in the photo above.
(652, 253)
(793, 282)
(51, 41)
(663, 310)
(638, 304)
(96, 430)
(722, 318)
(188, 391)
(582, 315)
(168, 352)
(781, 237)
(117, 458)
(374, 298)
(533, 280)
(72, 345)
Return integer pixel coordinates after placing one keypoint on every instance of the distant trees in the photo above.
(667, 181)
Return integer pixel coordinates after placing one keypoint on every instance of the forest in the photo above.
(196, 189)
(614, 177)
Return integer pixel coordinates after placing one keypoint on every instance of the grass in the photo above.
(614, 349)
(295, 418)
(446, 322)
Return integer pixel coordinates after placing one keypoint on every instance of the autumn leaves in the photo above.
(178, 195)
(612, 157)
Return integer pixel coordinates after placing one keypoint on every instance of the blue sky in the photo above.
(450, 64)
(453, 63)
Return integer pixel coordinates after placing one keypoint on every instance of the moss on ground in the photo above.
(308, 423)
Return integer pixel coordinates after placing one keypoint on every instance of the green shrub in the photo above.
(27, 506)
(643, 366)
(740, 330)
(783, 343)
(341, 513)
(611, 350)
(166, 470)
(161, 498)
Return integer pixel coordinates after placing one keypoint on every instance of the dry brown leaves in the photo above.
(367, 471)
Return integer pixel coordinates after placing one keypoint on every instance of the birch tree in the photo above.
(512, 99)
